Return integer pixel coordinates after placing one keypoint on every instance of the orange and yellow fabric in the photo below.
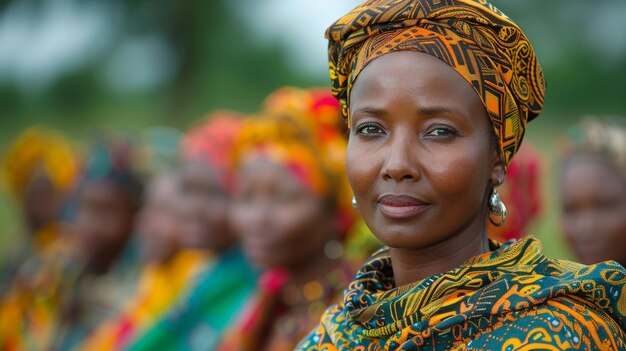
(159, 287)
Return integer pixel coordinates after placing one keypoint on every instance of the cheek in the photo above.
(122, 225)
(298, 224)
(362, 167)
(216, 210)
(462, 176)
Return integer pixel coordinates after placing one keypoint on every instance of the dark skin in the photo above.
(158, 220)
(281, 223)
(104, 223)
(41, 201)
(204, 206)
(420, 163)
(593, 200)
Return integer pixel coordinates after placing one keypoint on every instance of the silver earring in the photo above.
(354, 204)
(497, 209)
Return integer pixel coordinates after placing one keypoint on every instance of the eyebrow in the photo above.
(437, 110)
(427, 111)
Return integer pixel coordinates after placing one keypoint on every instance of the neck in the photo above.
(412, 265)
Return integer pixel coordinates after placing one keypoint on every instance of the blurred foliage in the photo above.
(218, 66)
(217, 62)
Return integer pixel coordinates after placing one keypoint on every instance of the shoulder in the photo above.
(562, 323)
(560, 304)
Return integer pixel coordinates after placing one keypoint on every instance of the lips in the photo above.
(401, 206)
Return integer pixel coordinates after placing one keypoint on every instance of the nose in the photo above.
(401, 160)
(256, 216)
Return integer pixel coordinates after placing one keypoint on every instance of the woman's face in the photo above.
(593, 200)
(41, 201)
(419, 158)
(159, 220)
(203, 206)
(280, 222)
(104, 221)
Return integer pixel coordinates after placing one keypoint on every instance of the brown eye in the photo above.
(369, 129)
(442, 131)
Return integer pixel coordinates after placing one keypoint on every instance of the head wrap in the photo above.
(211, 141)
(298, 128)
(112, 159)
(598, 137)
(159, 149)
(39, 149)
(473, 37)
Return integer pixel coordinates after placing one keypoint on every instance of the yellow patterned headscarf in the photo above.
(477, 40)
(39, 149)
(299, 129)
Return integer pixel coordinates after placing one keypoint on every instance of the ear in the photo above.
(497, 169)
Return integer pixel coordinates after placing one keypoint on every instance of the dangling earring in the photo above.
(354, 204)
(497, 209)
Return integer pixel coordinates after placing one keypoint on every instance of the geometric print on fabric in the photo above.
(473, 37)
(513, 298)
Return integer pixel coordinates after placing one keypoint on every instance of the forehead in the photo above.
(257, 168)
(102, 191)
(587, 176)
(413, 76)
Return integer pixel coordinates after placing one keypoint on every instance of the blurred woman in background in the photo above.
(39, 169)
(71, 290)
(166, 270)
(593, 189)
(196, 320)
(292, 212)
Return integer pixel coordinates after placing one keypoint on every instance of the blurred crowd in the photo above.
(237, 233)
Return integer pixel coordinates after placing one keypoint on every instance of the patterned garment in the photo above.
(198, 319)
(31, 309)
(513, 298)
(291, 310)
(158, 288)
(477, 40)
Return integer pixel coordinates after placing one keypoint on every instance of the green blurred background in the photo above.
(84, 65)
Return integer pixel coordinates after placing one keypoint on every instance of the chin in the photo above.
(402, 239)
(399, 234)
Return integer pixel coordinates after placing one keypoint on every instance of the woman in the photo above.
(593, 189)
(291, 209)
(166, 270)
(213, 296)
(39, 169)
(437, 96)
(73, 288)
